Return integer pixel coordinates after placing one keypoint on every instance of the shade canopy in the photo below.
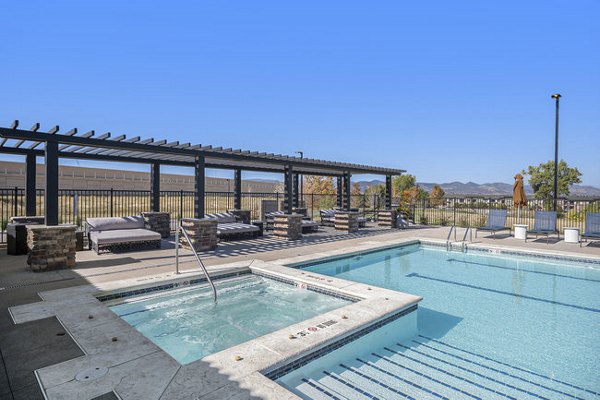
(519, 198)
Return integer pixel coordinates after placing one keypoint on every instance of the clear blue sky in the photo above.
(449, 90)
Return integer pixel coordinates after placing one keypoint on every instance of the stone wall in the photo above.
(51, 247)
(387, 218)
(159, 222)
(346, 221)
(288, 226)
(202, 233)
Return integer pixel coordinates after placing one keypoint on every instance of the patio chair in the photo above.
(496, 222)
(592, 227)
(544, 224)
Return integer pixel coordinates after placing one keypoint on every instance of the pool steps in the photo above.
(426, 368)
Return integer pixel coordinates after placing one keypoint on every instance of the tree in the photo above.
(413, 194)
(436, 197)
(319, 184)
(355, 190)
(541, 179)
(376, 190)
(402, 183)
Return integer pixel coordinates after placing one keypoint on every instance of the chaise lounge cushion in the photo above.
(115, 223)
(109, 237)
(234, 228)
(222, 218)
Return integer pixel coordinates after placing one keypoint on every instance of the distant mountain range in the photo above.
(487, 189)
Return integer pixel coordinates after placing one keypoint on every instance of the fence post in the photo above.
(111, 201)
(312, 205)
(181, 204)
(277, 197)
(454, 211)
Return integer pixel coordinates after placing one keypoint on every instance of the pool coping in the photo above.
(137, 368)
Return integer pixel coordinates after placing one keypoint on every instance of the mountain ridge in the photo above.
(487, 189)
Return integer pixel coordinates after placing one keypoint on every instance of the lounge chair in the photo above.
(592, 227)
(496, 222)
(228, 226)
(544, 224)
(307, 225)
(120, 233)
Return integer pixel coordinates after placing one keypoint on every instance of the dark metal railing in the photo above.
(77, 205)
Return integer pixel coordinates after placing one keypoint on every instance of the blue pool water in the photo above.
(188, 325)
(490, 326)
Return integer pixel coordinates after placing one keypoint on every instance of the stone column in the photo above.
(51, 247)
(159, 222)
(346, 221)
(288, 226)
(387, 218)
(243, 215)
(202, 233)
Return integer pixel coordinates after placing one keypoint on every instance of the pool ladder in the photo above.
(448, 243)
(464, 239)
(185, 235)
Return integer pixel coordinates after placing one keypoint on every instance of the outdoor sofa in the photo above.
(307, 224)
(328, 218)
(228, 226)
(496, 222)
(592, 227)
(120, 233)
(544, 223)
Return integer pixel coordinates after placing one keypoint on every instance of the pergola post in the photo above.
(30, 189)
(347, 190)
(237, 189)
(155, 187)
(296, 191)
(339, 192)
(288, 189)
(199, 174)
(388, 192)
(51, 192)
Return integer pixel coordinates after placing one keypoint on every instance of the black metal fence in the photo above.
(77, 205)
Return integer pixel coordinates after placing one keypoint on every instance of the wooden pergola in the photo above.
(53, 145)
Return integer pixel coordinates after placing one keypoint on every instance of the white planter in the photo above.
(520, 231)
(571, 235)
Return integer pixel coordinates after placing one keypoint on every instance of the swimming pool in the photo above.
(490, 326)
(188, 325)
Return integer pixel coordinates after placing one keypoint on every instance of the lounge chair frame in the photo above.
(493, 223)
(544, 223)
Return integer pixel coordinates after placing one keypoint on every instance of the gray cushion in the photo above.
(309, 223)
(222, 217)
(234, 228)
(123, 236)
(115, 223)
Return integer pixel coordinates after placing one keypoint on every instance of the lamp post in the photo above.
(556, 97)
(301, 180)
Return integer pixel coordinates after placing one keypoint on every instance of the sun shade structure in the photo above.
(53, 145)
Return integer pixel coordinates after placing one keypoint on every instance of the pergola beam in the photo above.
(155, 187)
(237, 189)
(51, 192)
(30, 185)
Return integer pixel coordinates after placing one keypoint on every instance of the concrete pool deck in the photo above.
(35, 345)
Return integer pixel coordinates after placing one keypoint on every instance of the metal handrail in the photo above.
(452, 228)
(464, 239)
(212, 285)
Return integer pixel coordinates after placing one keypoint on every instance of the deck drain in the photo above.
(91, 374)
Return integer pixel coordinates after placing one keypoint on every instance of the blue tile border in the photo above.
(280, 371)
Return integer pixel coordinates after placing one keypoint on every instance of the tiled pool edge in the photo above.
(275, 373)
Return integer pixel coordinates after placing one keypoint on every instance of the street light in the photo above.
(556, 97)
(301, 180)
